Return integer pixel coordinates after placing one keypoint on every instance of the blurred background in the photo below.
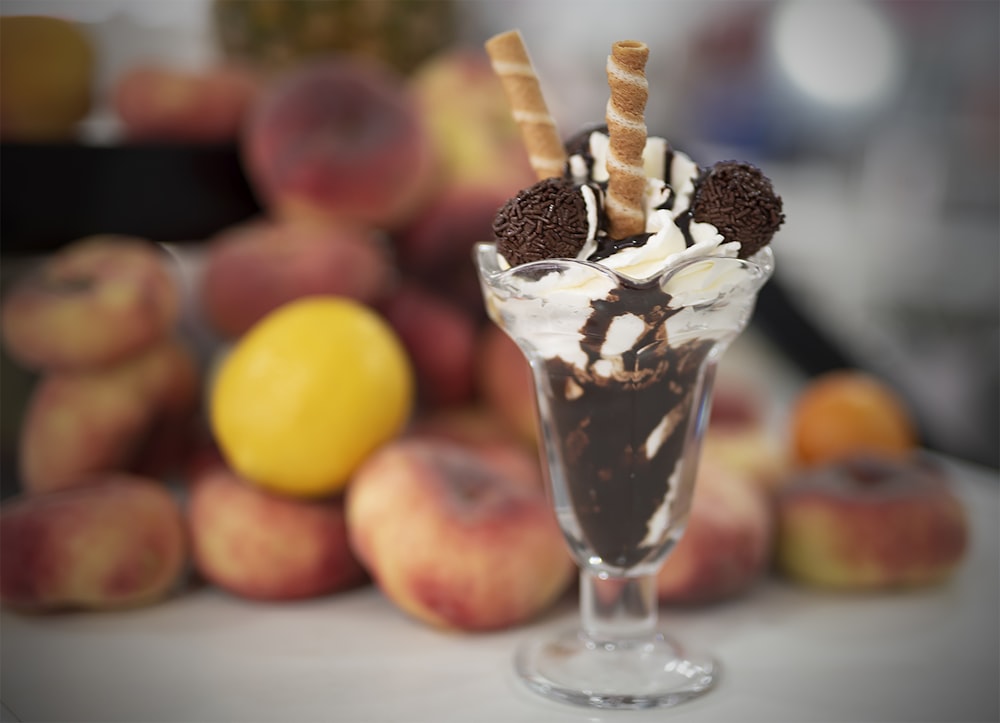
(877, 121)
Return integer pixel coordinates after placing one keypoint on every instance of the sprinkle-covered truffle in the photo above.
(740, 202)
(545, 221)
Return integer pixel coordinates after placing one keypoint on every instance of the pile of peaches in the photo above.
(375, 187)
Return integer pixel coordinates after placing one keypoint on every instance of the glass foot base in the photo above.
(637, 673)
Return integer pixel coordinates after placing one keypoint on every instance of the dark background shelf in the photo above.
(52, 195)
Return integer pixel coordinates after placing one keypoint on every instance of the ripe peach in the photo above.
(504, 382)
(160, 103)
(101, 421)
(254, 268)
(95, 302)
(739, 437)
(481, 431)
(847, 412)
(736, 406)
(871, 522)
(437, 246)
(727, 544)
(470, 121)
(117, 541)
(340, 138)
(262, 546)
(440, 338)
(452, 541)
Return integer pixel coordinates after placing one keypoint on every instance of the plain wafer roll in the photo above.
(627, 137)
(513, 66)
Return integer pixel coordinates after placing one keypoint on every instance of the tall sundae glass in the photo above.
(623, 374)
(623, 275)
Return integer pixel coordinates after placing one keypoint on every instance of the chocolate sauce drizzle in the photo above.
(607, 246)
(601, 427)
(579, 146)
(599, 424)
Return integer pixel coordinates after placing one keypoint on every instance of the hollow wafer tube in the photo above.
(512, 65)
(627, 137)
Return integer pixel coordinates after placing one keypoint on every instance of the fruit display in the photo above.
(119, 541)
(117, 388)
(433, 249)
(845, 412)
(871, 522)
(263, 546)
(157, 102)
(134, 415)
(308, 393)
(864, 508)
(452, 539)
(253, 268)
(340, 140)
(97, 301)
(440, 338)
(503, 379)
(352, 417)
(741, 438)
(470, 122)
(727, 544)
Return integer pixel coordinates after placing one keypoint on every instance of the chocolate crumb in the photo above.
(740, 202)
(545, 221)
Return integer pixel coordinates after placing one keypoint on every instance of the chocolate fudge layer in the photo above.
(621, 438)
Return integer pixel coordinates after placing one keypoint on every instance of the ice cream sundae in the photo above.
(622, 274)
(623, 334)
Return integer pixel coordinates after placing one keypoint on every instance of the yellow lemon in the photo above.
(308, 393)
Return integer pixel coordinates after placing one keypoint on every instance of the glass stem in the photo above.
(615, 608)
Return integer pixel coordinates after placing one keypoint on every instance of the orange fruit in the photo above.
(308, 393)
(845, 413)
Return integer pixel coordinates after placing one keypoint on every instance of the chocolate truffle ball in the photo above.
(545, 221)
(740, 202)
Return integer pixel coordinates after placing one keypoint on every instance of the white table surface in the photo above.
(789, 654)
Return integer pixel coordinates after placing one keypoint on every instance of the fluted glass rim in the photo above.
(760, 266)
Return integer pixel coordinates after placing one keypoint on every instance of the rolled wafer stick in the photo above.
(627, 137)
(512, 65)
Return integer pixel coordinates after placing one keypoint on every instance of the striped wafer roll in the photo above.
(627, 137)
(520, 83)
